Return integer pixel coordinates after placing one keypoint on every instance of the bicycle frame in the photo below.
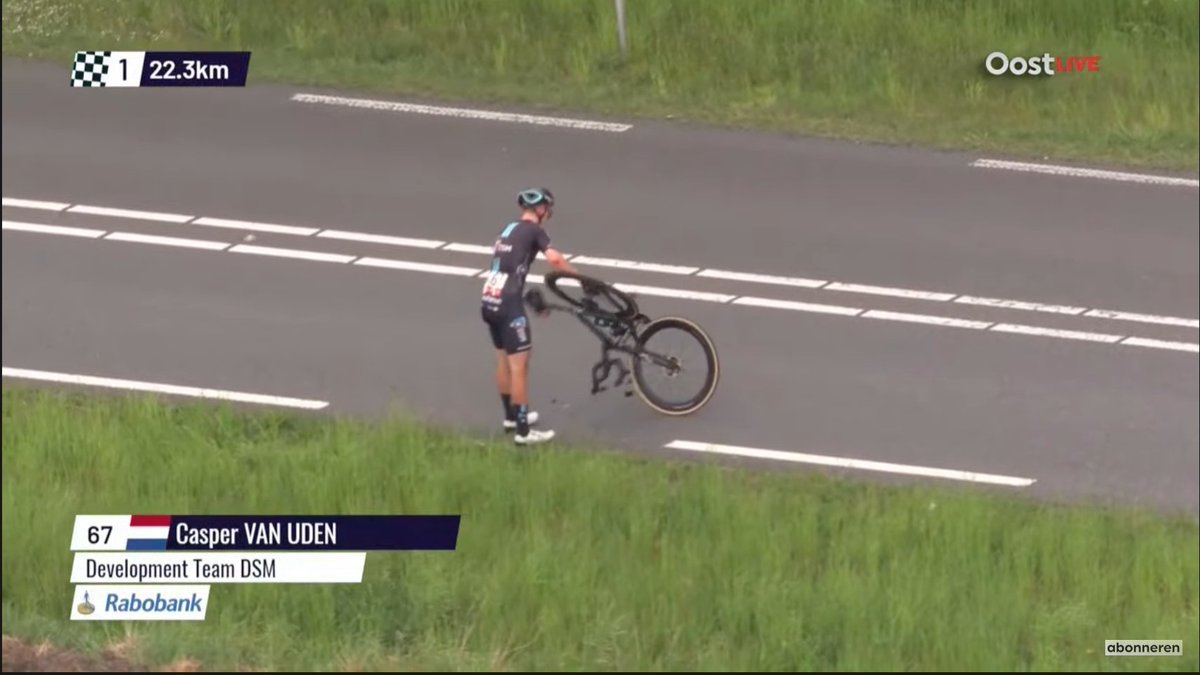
(621, 332)
(625, 329)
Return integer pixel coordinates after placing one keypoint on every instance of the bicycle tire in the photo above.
(712, 363)
(591, 286)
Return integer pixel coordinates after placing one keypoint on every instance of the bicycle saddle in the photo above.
(534, 297)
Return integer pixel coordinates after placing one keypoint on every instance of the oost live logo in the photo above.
(998, 63)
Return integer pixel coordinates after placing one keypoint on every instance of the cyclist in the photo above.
(503, 307)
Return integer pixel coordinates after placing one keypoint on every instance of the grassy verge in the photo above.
(905, 71)
(572, 560)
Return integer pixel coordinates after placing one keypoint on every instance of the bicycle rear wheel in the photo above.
(669, 350)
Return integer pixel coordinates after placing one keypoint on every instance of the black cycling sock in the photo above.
(522, 420)
(509, 413)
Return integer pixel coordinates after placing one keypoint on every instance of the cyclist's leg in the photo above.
(518, 366)
(518, 345)
(496, 329)
(504, 385)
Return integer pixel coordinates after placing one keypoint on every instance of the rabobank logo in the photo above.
(140, 602)
(86, 607)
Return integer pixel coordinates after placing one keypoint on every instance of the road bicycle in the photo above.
(626, 330)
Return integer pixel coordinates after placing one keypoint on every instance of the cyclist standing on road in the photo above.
(503, 307)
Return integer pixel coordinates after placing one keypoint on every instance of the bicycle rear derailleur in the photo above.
(603, 369)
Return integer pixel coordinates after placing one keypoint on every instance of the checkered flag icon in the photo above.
(89, 69)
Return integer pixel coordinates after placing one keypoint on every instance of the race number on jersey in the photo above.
(493, 288)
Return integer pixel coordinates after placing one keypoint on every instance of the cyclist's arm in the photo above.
(558, 262)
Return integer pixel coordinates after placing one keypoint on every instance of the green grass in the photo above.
(897, 71)
(572, 560)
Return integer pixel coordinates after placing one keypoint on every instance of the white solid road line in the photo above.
(381, 239)
(867, 465)
(418, 266)
(894, 292)
(1142, 318)
(34, 204)
(925, 318)
(673, 292)
(631, 265)
(459, 247)
(167, 241)
(539, 279)
(292, 253)
(468, 248)
(762, 278)
(798, 306)
(53, 229)
(722, 298)
(134, 385)
(1077, 172)
(933, 296)
(1055, 333)
(1019, 304)
(1162, 344)
(251, 226)
(466, 113)
(129, 213)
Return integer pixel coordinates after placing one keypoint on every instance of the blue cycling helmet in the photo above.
(535, 197)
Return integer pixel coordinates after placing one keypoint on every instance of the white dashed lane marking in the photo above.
(454, 270)
(616, 263)
(720, 298)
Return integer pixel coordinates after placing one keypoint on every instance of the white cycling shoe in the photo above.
(531, 416)
(535, 436)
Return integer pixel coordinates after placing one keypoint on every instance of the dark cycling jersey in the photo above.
(514, 251)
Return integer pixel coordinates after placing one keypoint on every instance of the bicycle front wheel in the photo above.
(675, 369)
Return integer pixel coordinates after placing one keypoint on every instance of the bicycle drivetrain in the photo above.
(603, 369)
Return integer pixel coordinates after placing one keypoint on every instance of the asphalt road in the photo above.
(1086, 419)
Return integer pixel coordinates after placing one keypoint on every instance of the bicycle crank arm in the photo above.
(603, 370)
(600, 373)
